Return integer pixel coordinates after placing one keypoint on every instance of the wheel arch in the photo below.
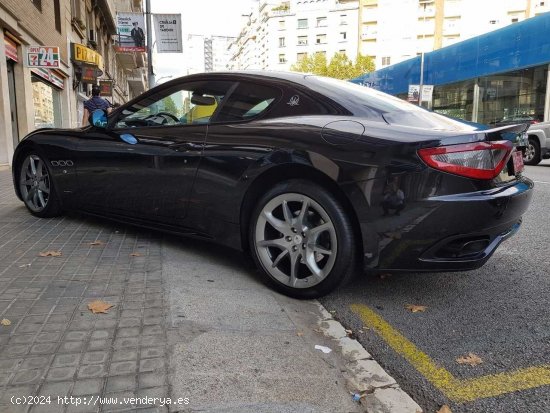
(538, 135)
(284, 172)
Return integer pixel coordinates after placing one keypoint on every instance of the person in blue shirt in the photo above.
(94, 103)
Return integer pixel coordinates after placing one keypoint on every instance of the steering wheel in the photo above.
(166, 116)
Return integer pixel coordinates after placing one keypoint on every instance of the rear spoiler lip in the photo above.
(513, 133)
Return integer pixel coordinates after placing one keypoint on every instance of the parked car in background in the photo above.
(313, 177)
(539, 143)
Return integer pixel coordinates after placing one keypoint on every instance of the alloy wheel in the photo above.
(295, 240)
(34, 183)
(529, 152)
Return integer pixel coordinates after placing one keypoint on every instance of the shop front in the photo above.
(88, 68)
(499, 77)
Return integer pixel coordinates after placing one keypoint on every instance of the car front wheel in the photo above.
(302, 240)
(36, 187)
(532, 153)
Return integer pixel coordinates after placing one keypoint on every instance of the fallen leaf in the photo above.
(97, 242)
(445, 409)
(413, 308)
(299, 334)
(135, 254)
(471, 359)
(324, 349)
(349, 332)
(50, 254)
(5, 322)
(99, 306)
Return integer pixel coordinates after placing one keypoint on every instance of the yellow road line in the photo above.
(455, 389)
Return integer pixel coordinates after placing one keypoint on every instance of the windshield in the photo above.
(379, 106)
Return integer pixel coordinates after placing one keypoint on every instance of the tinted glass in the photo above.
(191, 103)
(248, 100)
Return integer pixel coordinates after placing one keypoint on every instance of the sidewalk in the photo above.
(190, 321)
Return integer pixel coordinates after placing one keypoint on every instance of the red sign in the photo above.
(106, 88)
(11, 49)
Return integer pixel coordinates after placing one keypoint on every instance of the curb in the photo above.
(379, 392)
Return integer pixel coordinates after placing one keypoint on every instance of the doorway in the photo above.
(13, 103)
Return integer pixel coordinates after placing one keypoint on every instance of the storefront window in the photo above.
(46, 102)
(455, 100)
(517, 95)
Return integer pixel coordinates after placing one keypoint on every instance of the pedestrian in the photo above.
(138, 35)
(394, 198)
(94, 103)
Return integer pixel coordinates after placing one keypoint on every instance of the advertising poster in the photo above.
(414, 93)
(43, 56)
(131, 32)
(168, 33)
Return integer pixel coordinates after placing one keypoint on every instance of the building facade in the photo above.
(277, 35)
(392, 31)
(42, 97)
(499, 76)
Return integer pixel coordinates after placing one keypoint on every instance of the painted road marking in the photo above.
(455, 389)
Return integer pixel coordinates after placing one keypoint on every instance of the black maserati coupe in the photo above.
(313, 177)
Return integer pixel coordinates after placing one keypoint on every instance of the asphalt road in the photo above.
(500, 312)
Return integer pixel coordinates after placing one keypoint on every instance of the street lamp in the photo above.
(163, 77)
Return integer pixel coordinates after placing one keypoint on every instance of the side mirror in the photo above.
(98, 118)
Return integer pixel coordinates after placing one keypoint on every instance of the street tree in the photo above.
(339, 67)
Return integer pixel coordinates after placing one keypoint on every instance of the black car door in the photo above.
(144, 163)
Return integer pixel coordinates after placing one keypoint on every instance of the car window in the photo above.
(247, 101)
(188, 104)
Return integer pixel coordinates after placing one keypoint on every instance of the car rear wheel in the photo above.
(302, 240)
(532, 153)
(36, 187)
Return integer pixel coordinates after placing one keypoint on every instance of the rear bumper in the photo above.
(458, 232)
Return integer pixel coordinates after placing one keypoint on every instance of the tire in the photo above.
(302, 252)
(36, 186)
(532, 153)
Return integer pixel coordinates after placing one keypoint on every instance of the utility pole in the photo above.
(150, 72)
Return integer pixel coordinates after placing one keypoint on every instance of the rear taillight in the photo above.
(480, 160)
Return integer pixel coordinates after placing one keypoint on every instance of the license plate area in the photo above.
(517, 158)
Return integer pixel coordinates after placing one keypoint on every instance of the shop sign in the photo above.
(414, 93)
(43, 56)
(168, 33)
(82, 54)
(11, 49)
(89, 74)
(50, 76)
(130, 32)
(106, 88)
(427, 93)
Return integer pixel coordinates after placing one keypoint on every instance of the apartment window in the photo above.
(57, 15)
(321, 39)
(492, 22)
(343, 19)
(321, 22)
(515, 20)
(281, 24)
(302, 23)
(386, 60)
(342, 51)
(343, 36)
(282, 58)
(281, 42)
(302, 40)
(37, 4)
(301, 56)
